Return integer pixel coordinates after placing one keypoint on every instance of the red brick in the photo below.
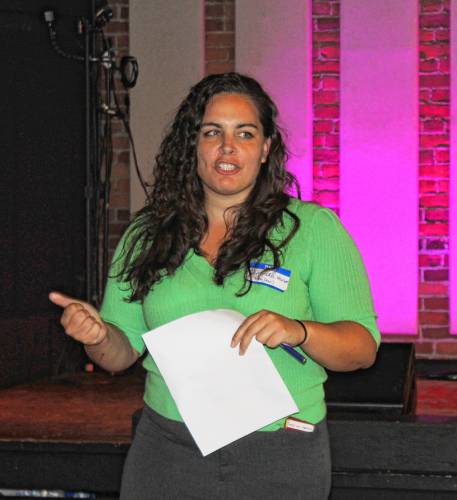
(437, 303)
(439, 214)
(335, 9)
(327, 23)
(429, 260)
(433, 288)
(331, 184)
(217, 54)
(219, 67)
(428, 186)
(427, 35)
(322, 111)
(329, 51)
(433, 50)
(431, 6)
(322, 126)
(329, 170)
(433, 140)
(428, 110)
(434, 171)
(429, 66)
(426, 156)
(332, 140)
(436, 244)
(447, 348)
(423, 348)
(442, 156)
(435, 333)
(321, 8)
(434, 21)
(119, 200)
(436, 275)
(442, 35)
(327, 155)
(436, 229)
(434, 81)
(120, 142)
(326, 67)
(326, 36)
(117, 27)
(330, 82)
(123, 215)
(214, 25)
(214, 10)
(327, 198)
(325, 97)
(444, 66)
(433, 125)
(318, 140)
(440, 95)
(219, 39)
(425, 95)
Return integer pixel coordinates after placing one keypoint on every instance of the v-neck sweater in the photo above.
(328, 282)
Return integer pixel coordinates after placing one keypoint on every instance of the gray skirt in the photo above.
(165, 463)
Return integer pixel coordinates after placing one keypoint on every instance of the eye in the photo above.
(245, 134)
(211, 132)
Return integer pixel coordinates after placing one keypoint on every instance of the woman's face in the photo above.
(231, 148)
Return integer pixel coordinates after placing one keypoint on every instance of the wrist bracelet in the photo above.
(305, 330)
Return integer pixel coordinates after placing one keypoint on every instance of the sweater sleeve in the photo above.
(115, 309)
(338, 283)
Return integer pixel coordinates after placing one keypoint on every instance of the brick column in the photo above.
(326, 102)
(119, 213)
(219, 36)
(434, 138)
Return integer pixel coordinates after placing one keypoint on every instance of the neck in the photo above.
(219, 208)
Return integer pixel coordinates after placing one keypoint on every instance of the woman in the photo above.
(217, 211)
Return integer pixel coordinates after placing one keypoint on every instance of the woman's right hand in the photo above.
(80, 320)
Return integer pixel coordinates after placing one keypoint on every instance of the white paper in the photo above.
(221, 395)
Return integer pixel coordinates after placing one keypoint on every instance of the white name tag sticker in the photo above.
(263, 274)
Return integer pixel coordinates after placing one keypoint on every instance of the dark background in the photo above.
(42, 188)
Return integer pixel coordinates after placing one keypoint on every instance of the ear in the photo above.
(266, 149)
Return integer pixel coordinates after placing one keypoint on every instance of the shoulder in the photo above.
(312, 214)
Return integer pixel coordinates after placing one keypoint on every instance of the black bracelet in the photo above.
(304, 329)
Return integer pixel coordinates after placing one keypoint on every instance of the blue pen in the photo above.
(289, 349)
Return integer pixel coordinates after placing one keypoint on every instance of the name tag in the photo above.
(274, 278)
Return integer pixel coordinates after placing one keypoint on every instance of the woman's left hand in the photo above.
(269, 328)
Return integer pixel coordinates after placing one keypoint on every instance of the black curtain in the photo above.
(42, 189)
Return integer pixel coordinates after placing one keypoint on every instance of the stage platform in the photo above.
(72, 433)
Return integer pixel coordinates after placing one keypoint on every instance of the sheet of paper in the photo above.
(221, 395)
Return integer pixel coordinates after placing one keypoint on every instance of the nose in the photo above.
(227, 144)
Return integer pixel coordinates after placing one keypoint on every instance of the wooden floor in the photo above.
(88, 407)
(97, 407)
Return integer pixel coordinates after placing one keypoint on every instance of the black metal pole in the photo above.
(88, 187)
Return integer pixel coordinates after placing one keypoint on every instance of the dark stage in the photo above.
(72, 433)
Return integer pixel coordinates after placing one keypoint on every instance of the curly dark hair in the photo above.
(174, 219)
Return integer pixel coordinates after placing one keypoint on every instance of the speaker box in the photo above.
(387, 388)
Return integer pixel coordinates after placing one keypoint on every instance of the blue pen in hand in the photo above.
(289, 349)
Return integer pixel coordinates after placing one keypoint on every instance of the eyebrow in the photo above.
(218, 125)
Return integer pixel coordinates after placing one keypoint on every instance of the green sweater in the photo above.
(328, 283)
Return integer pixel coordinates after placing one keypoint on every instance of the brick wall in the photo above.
(326, 102)
(434, 132)
(433, 339)
(119, 212)
(219, 36)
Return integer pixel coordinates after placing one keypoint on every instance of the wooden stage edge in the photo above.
(72, 433)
